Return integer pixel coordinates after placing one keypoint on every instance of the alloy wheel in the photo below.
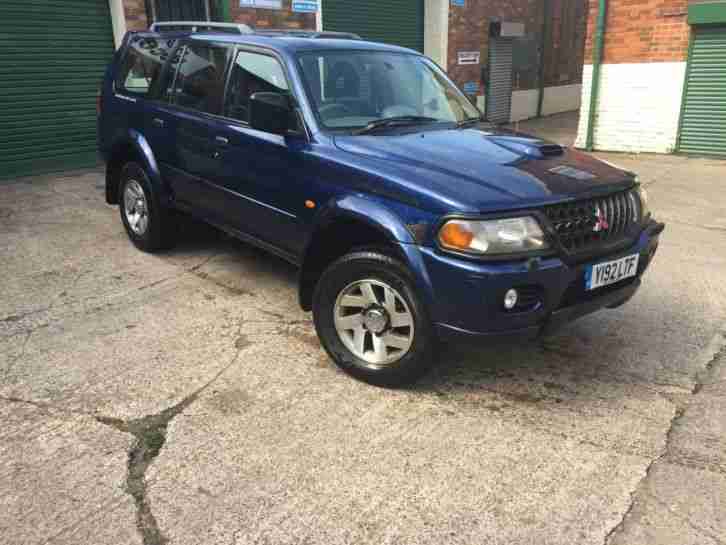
(374, 322)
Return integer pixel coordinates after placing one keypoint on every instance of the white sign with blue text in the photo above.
(261, 4)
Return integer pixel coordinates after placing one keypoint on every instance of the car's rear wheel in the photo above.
(371, 321)
(149, 226)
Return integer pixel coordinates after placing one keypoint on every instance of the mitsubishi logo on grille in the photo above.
(601, 222)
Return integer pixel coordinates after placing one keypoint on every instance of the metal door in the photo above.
(499, 90)
(398, 22)
(52, 63)
(703, 121)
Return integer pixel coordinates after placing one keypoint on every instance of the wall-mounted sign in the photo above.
(471, 87)
(305, 6)
(468, 57)
(458, 3)
(503, 29)
(261, 4)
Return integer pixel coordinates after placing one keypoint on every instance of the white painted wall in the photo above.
(118, 20)
(638, 107)
(319, 17)
(563, 98)
(524, 104)
(436, 31)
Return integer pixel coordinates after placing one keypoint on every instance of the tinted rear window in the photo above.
(142, 65)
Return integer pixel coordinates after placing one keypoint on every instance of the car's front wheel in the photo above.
(148, 224)
(371, 321)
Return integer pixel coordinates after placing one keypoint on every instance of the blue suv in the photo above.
(411, 218)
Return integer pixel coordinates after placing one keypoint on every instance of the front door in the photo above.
(261, 174)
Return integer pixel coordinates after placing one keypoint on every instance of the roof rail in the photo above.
(313, 34)
(200, 26)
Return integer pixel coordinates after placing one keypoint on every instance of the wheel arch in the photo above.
(354, 222)
(133, 147)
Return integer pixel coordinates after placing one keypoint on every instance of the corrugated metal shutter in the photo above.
(173, 10)
(499, 89)
(703, 122)
(397, 22)
(53, 54)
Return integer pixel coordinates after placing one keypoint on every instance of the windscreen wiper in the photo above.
(400, 120)
(469, 121)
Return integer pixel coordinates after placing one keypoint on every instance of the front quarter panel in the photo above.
(366, 210)
(371, 213)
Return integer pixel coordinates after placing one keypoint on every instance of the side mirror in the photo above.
(270, 112)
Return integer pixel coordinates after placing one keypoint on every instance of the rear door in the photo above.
(143, 82)
(196, 102)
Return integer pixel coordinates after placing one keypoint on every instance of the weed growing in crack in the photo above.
(150, 434)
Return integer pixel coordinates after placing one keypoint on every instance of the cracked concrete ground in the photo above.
(184, 398)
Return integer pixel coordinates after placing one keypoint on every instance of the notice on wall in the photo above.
(468, 57)
(471, 87)
(305, 6)
(458, 3)
(261, 4)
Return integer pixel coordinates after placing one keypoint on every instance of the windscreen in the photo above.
(350, 89)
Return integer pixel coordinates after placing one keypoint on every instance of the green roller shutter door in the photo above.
(398, 22)
(53, 57)
(703, 121)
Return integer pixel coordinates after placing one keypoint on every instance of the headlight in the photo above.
(493, 237)
(644, 210)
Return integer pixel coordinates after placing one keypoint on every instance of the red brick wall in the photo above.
(270, 18)
(136, 18)
(469, 30)
(641, 31)
(135, 15)
(564, 43)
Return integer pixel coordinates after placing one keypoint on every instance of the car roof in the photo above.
(294, 44)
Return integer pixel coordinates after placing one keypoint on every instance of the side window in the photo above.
(252, 73)
(199, 82)
(142, 65)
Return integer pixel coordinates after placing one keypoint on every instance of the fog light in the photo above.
(510, 299)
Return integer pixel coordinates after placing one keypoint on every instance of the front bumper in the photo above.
(467, 295)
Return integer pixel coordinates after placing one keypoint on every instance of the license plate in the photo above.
(604, 274)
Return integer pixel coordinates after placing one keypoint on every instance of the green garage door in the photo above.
(53, 54)
(398, 22)
(703, 121)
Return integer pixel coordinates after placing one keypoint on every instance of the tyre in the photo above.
(149, 226)
(371, 321)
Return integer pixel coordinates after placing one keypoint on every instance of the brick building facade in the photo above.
(643, 73)
(548, 59)
(135, 13)
(266, 18)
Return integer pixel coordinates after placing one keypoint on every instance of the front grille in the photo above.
(584, 226)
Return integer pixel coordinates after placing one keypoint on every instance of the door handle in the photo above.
(221, 140)
(158, 122)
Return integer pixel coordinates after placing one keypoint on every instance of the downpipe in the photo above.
(597, 54)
